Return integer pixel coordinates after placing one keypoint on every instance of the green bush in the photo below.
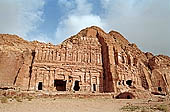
(162, 108)
(130, 108)
(4, 100)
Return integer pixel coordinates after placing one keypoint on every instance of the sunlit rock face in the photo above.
(91, 61)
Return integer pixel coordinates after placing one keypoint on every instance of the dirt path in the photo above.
(67, 105)
(63, 105)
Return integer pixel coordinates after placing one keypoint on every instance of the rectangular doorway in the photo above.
(40, 86)
(94, 87)
(60, 85)
(76, 86)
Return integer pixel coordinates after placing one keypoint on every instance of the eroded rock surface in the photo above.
(15, 61)
(91, 61)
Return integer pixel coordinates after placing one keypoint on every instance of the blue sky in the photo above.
(144, 22)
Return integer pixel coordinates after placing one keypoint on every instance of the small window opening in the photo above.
(123, 59)
(128, 97)
(40, 86)
(119, 83)
(159, 89)
(129, 60)
(129, 82)
(76, 86)
(94, 87)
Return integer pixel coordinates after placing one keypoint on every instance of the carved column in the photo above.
(54, 55)
(36, 54)
(112, 67)
(46, 79)
(98, 83)
(40, 54)
(47, 54)
(44, 55)
(51, 55)
(79, 56)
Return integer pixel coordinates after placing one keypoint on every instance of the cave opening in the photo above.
(76, 86)
(129, 82)
(60, 85)
(119, 83)
(159, 89)
(129, 97)
(40, 84)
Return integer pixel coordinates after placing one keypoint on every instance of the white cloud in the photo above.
(144, 22)
(20, 16)
(73, 24)
(78, 18)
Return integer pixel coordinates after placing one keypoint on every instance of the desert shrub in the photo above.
(145, 110)
(4, 100)
(162, 108)
(29, 98)
(18, 99)
(130, 108)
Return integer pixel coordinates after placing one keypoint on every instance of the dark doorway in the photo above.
(119, 83)
(76, 86)
(94, 87)
(159, 89)
(125, 95)
(60, 85)
(129, 82)
(129, 97)
(40, 86)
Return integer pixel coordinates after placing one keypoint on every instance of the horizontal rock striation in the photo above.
(91, 61)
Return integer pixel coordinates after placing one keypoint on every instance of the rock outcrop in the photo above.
(15, 61)
(91, 61)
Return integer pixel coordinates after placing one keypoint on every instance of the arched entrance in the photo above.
(125, 95)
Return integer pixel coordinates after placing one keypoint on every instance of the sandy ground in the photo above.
(67, 105)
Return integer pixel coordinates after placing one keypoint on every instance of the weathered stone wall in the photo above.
(15, 61)
(160, 69)
(90, 61)
(76, 59)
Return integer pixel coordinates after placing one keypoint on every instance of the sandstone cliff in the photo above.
(15, 61)
(92, 60)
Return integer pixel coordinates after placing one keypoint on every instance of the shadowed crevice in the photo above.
(30, 70)
(107, 76)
